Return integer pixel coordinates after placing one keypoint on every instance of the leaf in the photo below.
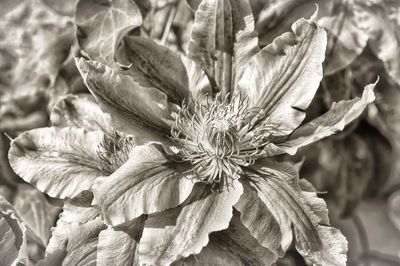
(283, 77)
(340, 114)
(147, 183)
(295, 211)
(60, 162)
(101, 25)
(12, 236)
(80, 112)
(222, 41)
(37, 213)
(142, 111)
(181, 232)
(233, 246)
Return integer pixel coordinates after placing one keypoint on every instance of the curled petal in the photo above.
(148, 182)
(283, 77)
(340, 115)
(181, 232)
(60, 162)
(296, 212)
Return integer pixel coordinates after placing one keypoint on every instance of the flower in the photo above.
(202, 174)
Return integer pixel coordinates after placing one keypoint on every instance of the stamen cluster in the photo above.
(220, 137)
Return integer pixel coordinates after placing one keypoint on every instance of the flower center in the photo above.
(219, 138)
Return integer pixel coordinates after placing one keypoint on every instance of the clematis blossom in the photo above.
(200, 180)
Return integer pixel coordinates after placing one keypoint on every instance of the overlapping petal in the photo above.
(60, 162)
(283, 77)
(139, 109)
(148, 182)
(80, 112)
(295, 212)
(183, 231)
(340, 115)
(233, 246)
(12, 236)
(222, 41)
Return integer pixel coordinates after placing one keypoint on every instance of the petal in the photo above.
(80, 112)
(148, 182)
(130, 104)
(74, 239)
(223, 40)
(12, 236)
(158, 66)
(296, 212)
(101, 24)
(340, 115)
(181, 232)
(37, 213)
(60, 162)
(198, 81)
(283, 77)
(120, 246)
(233, 246)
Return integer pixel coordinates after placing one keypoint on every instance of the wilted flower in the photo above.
(207, 128)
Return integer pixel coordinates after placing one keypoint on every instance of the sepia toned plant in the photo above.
(179, 160)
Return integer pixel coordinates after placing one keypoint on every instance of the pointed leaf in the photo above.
(101, 24)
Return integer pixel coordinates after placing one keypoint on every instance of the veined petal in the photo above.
(130, 104)
(101, 24)
(119, 246)
(12, 236)
(222, 41)
(147, 183)
(340, 115)
(181, 232)
(198, 82)
(283, 77)
(80, 112)
(74, 239)
(233, 246)
(277, 186)
(60, 162)
(157, 66)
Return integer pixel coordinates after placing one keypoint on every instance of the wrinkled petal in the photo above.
(340, 115)
(297, 213)
(233, 246)
(157, 66)
(147, 183)
(12, 236)
(181, 232)
(198, 81)
(37, 213)
(283, 77)
(136, 109)
(101, 24)
(223, 40)
(60, 162)
(119, 246)
(80, 112)
(74, 239)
